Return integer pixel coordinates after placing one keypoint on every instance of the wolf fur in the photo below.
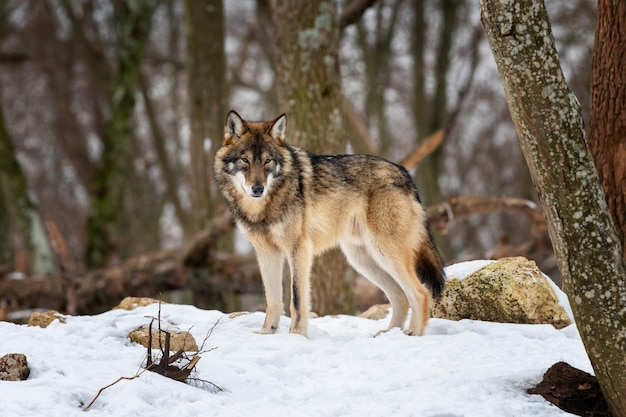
(293, 205)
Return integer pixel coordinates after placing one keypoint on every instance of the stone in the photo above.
(376, 312)
(131, 303)
(178, 340)
(44, 319)
(510, 290)
(14, 367)
(236, 314)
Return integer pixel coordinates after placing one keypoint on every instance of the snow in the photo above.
(459, 368)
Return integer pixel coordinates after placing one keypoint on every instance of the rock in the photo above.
(131, 303)
(44, 319)
(572, 390)
(14, 367)
(238, 314)
(510, 290)
(178, 340)
(376, 312)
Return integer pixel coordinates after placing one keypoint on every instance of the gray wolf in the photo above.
(293, 205)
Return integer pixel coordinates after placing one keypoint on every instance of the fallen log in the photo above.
(208, 273)
(143, 276)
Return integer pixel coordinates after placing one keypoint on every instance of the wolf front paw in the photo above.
(301, 332)
(413, 332)
(267, 330)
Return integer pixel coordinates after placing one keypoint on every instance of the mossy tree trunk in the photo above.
(550, 130)
(16, 210)
(108, 222)
(309, 92)
(17, 213)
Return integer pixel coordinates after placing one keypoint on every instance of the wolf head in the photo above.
(251, 155)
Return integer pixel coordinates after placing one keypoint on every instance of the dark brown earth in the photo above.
(572, 390)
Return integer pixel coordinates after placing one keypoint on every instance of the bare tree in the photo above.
(548, 121)
(309, 92)
(207, 92)
(17, 213)
(108, 223)
(15, 208)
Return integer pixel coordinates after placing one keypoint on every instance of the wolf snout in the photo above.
(257, 190)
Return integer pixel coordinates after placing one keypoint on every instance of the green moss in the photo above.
(510, 290)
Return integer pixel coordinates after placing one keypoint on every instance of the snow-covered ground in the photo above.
(465, 368)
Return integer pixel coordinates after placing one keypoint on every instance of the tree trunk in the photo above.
(549, 126)
(377, 59)
(309, 92)
(207, 91)
(107, 226)
(607, 130)
(430, 110)
(16, 211)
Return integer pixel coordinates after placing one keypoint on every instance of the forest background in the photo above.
(111, 111)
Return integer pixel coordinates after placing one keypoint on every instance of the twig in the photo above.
(110, 385)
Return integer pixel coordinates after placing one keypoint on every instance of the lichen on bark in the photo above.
(550, 130)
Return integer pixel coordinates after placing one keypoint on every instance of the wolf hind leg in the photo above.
(271, 264)
(398, 260)
(361, 260)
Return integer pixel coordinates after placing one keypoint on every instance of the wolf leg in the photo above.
(300, 263)
(364, 264)
(398, 260)
(271, 265)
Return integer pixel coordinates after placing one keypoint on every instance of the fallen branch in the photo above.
(143, 276)
(442, 215)
(198, 252)
(179, 365)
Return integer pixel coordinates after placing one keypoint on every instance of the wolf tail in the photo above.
(429, 267)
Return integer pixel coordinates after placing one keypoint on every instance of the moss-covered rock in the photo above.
(178, 340)
(44, 319)
(131, 303)
(510, 290)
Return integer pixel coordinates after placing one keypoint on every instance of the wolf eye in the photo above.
(268, 160)
(244, 159)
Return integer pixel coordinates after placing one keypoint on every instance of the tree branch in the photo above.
(353, 12)
(427, 146)
(442, 215)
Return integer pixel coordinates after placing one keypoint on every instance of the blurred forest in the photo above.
(112, 109)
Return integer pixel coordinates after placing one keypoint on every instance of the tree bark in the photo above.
(207, 91)
(309, 92)
(607, 127)
(107, 225)
(16, 210)
(549, 125)
(430, 110)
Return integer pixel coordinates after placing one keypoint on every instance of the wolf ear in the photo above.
(277, 131)
(235, 127)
